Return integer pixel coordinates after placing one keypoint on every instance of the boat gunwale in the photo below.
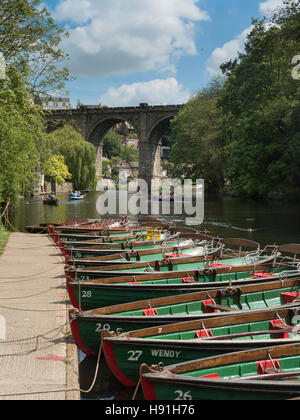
(192, 297)
(225, 321)
(174, 261)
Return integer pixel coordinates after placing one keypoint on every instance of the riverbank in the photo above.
(4, 235)
(38, 358)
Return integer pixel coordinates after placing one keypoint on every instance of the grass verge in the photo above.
(3, 238)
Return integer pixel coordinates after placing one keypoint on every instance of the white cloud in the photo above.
(116, 37)
(269, 6)
(228, 52)
(155, 92)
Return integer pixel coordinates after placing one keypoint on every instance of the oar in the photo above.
(35, 201)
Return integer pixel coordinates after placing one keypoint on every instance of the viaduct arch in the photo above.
(149, 122)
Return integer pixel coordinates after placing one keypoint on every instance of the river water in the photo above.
(264, 222)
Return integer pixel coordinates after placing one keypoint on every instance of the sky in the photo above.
(125, 52)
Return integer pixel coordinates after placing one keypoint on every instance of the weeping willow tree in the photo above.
(80, 156)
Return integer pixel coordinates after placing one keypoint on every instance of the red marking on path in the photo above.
(60, 316)
(52, 357)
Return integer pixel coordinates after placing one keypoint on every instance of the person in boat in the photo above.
(52, 196)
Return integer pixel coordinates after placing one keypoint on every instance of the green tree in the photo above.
(80, 155)
(197, 145)
(129, 154)
(57, 170)
(29, 40)
(112, 144)
(22, 137)
(261, 104)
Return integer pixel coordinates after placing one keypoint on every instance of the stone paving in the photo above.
(34, 350)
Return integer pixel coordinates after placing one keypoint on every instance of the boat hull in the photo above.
(175, 309)
(262, 374)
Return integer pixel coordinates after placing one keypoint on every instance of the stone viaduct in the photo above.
(149, 122)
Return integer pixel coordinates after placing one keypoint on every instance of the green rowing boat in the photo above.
(178, 343)
(262, 374)
(86, 326)
(183, 249)
(95, 294)
(214, 260)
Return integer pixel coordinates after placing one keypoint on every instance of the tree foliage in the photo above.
(22, 136)
(247, 131)
(29, 40)
(261, 106)
(57, 170)
(79, 155)
(197, 145)
(112, 144)
(113, 147)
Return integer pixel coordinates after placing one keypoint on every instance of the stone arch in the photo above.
(98, 132)
(151, 171)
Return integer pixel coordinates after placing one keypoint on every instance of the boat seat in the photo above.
(212, 376)
(277, 324)
(290, 297)
(203, 333)
(150, 312)
(268, 367)
(187, 280)
(209, 306)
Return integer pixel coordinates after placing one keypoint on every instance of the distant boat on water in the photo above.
(77, 196)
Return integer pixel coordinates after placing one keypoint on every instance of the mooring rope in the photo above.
(63, 390)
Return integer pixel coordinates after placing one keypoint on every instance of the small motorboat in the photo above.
(76, 196)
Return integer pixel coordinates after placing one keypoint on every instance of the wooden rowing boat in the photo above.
(117, 226)
(50, 202)
(86, 326)
(183, 249)
(262, 374)
(95, 294)
(211, 262)
(183, 342)
(130, 242)
(105, 250)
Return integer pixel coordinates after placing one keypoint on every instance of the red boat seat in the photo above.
(176, 255)
(220, 265)
(150, 312)
(203, 333)
(266, 366)
(276, 324)
(262, 274)
(212, 376)
(205, 308)
(290, 297)
(187, 280)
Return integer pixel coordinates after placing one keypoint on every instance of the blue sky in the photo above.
(156, 51)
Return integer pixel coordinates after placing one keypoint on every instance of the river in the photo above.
(264, 222)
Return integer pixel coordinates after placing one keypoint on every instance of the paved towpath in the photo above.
(35, 351)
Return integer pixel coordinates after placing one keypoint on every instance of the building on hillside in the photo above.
(134, 143)
(56, 104)
(131, 170)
